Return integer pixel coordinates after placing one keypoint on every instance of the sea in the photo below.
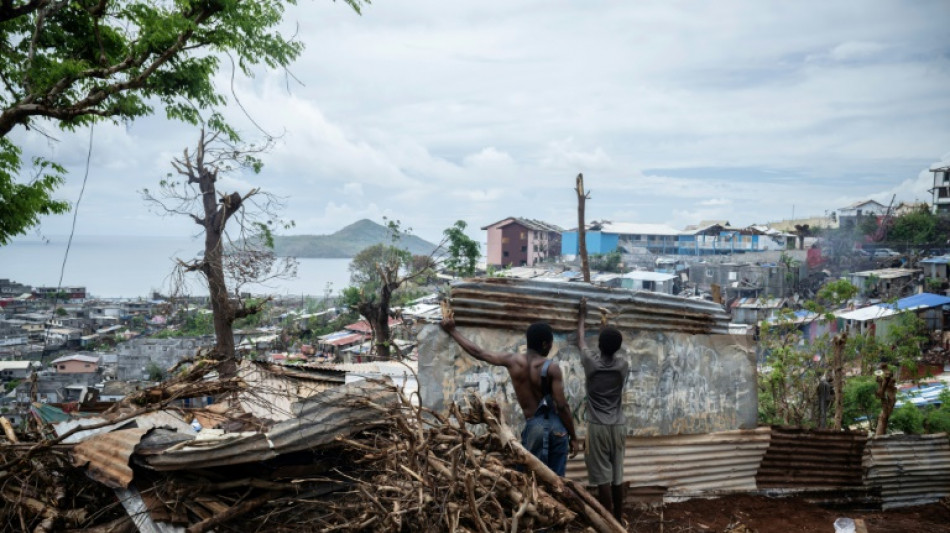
(137, 266)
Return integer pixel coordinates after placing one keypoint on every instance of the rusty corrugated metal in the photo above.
(107, 456)
(514, 304)
(812, 459)
(726, 461)
(909, 469)
(320, 419)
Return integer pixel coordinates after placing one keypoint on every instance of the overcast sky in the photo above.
(433, 111)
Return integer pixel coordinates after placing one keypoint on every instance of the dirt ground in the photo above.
(760, 514)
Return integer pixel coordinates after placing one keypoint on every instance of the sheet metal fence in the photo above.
(909, 469)
(891, 471)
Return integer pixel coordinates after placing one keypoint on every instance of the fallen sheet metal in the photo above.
(909, 469)
(154, 419)
(107, 456)
(319, 420)
(514, 304)
(812, 459)
(723, 462)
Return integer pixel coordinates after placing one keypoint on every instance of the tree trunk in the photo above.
(216, 216)
(581, 230)
(887, 392)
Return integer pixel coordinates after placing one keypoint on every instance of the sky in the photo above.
(675, 112)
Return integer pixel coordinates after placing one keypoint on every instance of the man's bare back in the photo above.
(525, 372)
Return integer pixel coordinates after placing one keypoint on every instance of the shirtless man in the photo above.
(549, 429)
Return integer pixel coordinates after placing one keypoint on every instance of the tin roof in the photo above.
(514, 304)
(872, 312)
(924, 300)
(319, 420)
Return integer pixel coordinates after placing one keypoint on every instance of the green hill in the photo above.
(347, 242)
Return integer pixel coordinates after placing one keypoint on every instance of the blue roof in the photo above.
(923, 300)
(923, 395)
(942, 260)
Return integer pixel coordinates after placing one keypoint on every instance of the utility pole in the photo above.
(582, 197)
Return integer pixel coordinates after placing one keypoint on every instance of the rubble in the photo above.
(357, 457)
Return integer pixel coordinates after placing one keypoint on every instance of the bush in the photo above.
(937, 420)
(860, 401)
(908, 419)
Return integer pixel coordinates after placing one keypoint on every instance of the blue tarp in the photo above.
(924, 300)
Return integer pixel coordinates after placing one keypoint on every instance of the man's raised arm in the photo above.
(492, 358)
(581, 315)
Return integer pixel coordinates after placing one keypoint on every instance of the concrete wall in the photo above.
(678, 383)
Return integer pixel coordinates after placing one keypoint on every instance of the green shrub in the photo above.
(908, 419)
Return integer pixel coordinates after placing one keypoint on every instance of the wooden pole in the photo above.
(839, 342)
(582, 197)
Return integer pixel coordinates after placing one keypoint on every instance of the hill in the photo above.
(346, 242)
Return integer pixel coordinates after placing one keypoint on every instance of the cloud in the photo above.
(739, 109)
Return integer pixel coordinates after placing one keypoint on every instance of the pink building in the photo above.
(76, 364)
(521, 242)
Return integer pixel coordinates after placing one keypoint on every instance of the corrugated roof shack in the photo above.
(687, 374)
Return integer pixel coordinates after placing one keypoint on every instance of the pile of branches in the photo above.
(42, 491)
(417, 470)
(462, 472)
(45, 493)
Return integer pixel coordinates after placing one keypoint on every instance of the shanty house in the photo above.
(886, 282)
(755, 310)
(10, 370)
(873, 320)
(936, 268)
(649, 281)
(933, 309)
(521, 242)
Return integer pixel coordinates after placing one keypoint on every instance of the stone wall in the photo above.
(678, 383)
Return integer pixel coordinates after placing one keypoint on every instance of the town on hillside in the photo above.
(832, 327)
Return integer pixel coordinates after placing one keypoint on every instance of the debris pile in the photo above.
(358, 457)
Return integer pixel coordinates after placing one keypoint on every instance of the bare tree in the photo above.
(231, 258)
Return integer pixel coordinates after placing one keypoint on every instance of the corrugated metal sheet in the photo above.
(165, 419)
(725, 462)
(319, 420)
(108, 456)
(909, 469)
(515, 304)
(812, 459)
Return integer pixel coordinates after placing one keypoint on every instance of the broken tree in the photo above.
(248, 257)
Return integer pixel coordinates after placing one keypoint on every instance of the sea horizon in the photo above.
(134, 266)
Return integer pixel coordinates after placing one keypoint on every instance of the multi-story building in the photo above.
(61, 293)
(941, 190)
(521, 242)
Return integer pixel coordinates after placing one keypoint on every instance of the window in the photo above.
(523, 236)
(62, 367)
(524, 248)
(504, 240)
(504, 254)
